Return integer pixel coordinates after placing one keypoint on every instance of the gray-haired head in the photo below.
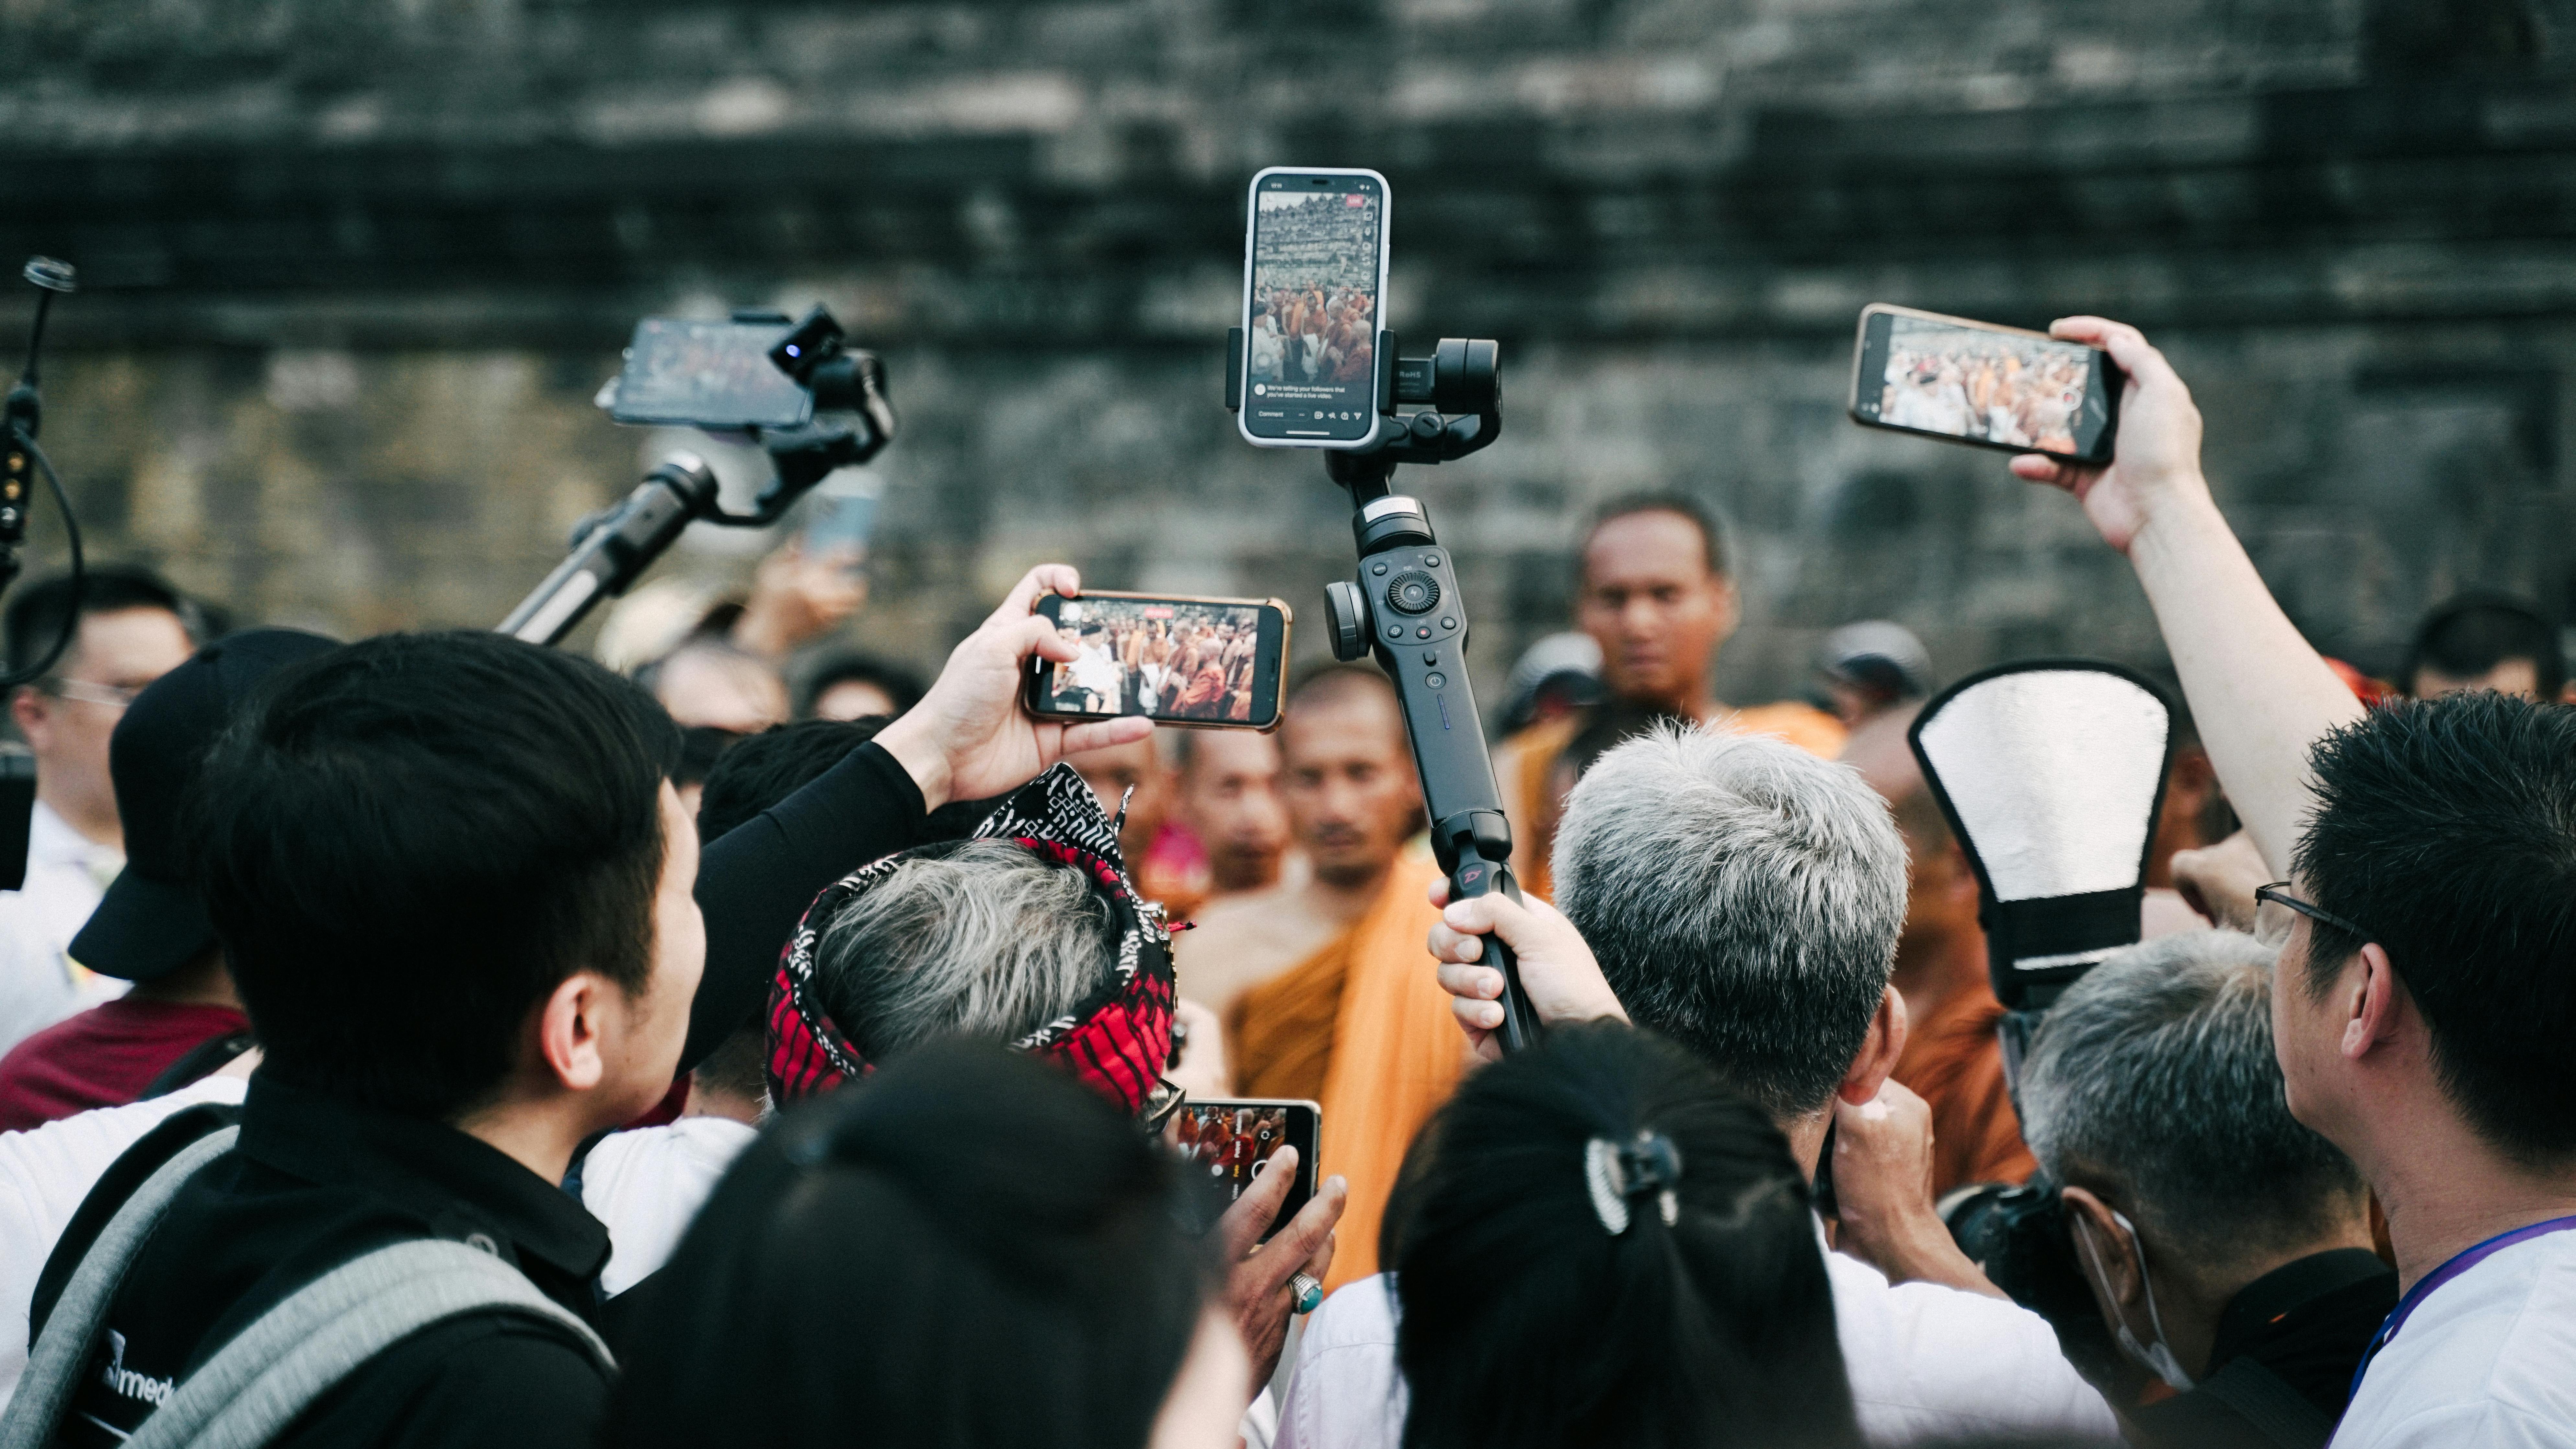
(980, 939)
(1743, 898)
(2153, 1081)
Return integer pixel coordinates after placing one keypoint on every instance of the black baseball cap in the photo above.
(150, 923)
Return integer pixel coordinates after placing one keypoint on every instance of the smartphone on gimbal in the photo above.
(1195, 662)
(1989, 386)
(1315, 246)
(715, 375)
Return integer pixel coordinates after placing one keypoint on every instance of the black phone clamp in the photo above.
(1405, 607)
(611, 548)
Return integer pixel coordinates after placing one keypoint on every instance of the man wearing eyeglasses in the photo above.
(2425, 994)
(130, 632)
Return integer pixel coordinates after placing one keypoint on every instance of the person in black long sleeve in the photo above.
(454, 883)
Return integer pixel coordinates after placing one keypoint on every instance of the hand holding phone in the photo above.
(1234, 1139)
(1992, 387)
(971, 735)
(1195, 662)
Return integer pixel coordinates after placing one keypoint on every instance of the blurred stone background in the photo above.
(354, 268)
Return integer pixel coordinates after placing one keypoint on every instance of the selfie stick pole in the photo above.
(611, 549)
(1406, 609)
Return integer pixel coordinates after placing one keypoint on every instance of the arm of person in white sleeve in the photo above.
(45, 1174)
(2259, 693)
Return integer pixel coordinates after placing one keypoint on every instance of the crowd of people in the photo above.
(436, 1039)
(1314, 289)
(1177, 662)
(2023, 392)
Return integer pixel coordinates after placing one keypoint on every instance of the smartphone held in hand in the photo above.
(1195, 662)
(1233, 1139)
(1975, 382)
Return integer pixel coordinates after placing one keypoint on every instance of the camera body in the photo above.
(2021, 1239)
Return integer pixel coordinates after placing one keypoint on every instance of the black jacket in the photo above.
(2306, 1325)
(315, 1182)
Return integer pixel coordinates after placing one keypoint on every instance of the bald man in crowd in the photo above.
(1227, 797)
(1656, 595)
(1327, 991)
(1952, 1059)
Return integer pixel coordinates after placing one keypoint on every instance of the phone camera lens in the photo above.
(1413, 592)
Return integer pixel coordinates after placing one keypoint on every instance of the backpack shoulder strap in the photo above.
(2265, 1400)
(257, 1384)
(54, 1362)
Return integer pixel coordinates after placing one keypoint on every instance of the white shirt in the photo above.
(66, 874)
(1925, 1362)
(44, 1175)
(2488, 1358)
(647, 1186)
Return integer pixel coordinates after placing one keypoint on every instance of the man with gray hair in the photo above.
(1743, 897)
(975, 938)
(2227, 1246)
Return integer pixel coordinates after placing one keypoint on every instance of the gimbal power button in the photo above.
(1413, 592)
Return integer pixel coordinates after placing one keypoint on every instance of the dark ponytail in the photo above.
(1598, 1242)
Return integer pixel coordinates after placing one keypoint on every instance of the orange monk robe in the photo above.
(1954, 1063)
(1362, 1028)
(1534, 752)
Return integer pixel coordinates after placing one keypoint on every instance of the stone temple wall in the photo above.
(354, 269)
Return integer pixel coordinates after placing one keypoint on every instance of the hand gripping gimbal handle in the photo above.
(1478, 862)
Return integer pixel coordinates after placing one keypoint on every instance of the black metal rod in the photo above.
(609, 557)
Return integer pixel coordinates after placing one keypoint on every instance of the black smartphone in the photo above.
(1974, 382)
(1201, 663)
(1232, 1140)
(708, 375)
(1314, 271)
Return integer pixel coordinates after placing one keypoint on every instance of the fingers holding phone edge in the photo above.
(1046, 578)
(1305, 1236)
(1257, 1207)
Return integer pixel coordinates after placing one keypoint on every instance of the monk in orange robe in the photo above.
(1324, 983)
(1656, 595)
(1951, 1059)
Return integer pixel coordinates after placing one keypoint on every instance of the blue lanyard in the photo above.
(2460, 1263)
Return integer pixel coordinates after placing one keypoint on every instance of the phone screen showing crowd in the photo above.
(1234, 1143)
(1168, 659)
(1312, 324)
(2006, 389)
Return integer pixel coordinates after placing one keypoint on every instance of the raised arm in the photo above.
(2259, 693)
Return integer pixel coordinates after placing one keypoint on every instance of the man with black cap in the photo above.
(182, 1019)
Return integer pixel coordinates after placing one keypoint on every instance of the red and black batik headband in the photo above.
(1118, 1041)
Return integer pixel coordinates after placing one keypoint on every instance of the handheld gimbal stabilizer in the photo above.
(1406, 608)
(22, 416)
(611, 548)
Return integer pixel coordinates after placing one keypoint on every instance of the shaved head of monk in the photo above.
(1348, 778)
(1655, 595)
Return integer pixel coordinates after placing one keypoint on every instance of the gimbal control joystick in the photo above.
(1413, 593)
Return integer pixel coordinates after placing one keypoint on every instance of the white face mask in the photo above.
(2157, 1358)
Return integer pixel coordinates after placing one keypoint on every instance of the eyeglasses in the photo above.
(2276, 911)
(106, 696)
